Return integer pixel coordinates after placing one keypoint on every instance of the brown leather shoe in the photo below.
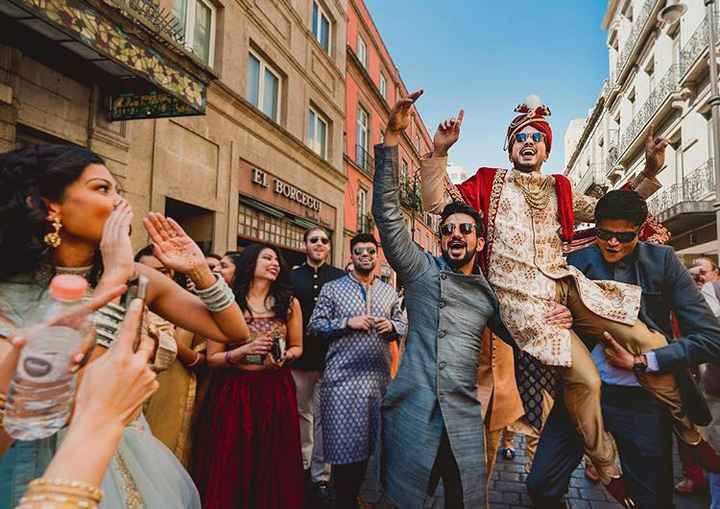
(618, 489)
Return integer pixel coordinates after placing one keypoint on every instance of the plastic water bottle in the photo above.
(41, 394)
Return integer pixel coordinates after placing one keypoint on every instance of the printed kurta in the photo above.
(526, 265)
(357, 366)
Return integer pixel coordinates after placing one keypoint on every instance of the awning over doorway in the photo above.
(134, 43)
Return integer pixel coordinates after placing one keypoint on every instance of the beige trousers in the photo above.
(582, 381)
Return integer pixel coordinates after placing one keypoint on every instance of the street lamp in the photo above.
(670, 14)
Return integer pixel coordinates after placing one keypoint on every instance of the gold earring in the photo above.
(53, 239)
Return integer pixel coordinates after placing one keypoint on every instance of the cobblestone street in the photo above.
(507, 489)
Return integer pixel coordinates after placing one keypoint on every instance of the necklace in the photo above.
(537, 191)
(269, 299)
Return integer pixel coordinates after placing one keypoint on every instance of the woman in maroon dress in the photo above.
(248, 434)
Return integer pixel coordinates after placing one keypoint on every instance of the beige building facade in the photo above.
(658, 77)
(248, 143)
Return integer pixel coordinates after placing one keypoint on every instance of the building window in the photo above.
(362, 51)
(261, 227)
(362, 222)
(263, 86)
(417, 142)
(363, 138)
(198, 19)
(317, 133)
(383, 86)
(321, 27)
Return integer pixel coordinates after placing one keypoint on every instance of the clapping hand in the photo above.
(173, 247)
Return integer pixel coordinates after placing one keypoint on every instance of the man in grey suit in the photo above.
(432, 424)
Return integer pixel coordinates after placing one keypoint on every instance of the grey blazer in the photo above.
(434, 389)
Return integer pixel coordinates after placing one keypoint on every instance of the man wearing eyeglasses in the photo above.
(308, 280)
(529, 215)
(358, 315)
(640, 423)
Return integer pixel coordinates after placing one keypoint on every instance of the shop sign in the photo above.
(289, 191)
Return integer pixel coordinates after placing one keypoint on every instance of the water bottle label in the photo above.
(36, 367)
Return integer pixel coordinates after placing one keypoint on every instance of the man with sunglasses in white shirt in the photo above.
(308, 279)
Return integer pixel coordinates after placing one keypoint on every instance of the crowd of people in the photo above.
(237, 381)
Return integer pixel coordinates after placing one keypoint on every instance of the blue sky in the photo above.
(486, 56)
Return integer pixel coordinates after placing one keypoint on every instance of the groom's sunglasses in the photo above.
(522, 137)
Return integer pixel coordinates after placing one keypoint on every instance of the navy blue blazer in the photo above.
(667, 287)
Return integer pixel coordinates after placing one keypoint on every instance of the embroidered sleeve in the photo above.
(584, 207)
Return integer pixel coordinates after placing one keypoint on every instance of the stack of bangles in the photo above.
(218, 296)
(60, 494)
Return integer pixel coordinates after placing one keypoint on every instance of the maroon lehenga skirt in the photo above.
(247, 442)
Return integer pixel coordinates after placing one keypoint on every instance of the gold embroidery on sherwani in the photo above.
(527, 264)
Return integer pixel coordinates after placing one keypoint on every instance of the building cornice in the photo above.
(610, 13)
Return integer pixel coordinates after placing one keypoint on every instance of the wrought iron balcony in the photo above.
(685, 205)
(696, 45)
(659, 94)
(638, 28)
(364, 160)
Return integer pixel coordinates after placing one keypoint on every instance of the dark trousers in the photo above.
(446, 468)
(643, 432)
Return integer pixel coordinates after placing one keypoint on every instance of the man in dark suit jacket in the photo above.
(640, 424)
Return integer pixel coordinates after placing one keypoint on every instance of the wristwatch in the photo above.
(640, 365)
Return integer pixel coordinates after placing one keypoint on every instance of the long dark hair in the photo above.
(26, 177)
(280, 289)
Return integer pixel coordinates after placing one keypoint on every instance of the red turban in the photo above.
(532, 113)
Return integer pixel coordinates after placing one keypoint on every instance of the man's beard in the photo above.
(456, 264)
(363, 271)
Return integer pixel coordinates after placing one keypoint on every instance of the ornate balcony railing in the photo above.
(696, 186)
(158, 20)
(662, 90)
(364, 160)
(696, 45)
(637, 30)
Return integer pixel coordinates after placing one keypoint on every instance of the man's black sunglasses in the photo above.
(622, 237)
(465, 228)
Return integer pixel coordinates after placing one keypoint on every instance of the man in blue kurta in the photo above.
(358, 315)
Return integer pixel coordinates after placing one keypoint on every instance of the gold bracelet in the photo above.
(76, 488)
(55, 501)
